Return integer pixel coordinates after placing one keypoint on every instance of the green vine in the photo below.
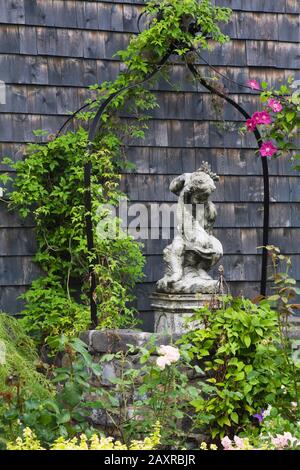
(49, 182)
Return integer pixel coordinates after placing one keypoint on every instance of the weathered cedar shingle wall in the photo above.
(52, 50)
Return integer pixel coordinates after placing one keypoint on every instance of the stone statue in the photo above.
(194, 249)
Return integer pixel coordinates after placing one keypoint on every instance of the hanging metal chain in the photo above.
(221, 291)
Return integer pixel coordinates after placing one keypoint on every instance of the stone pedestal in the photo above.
(172, 310)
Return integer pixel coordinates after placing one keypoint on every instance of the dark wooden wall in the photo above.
(52, 50)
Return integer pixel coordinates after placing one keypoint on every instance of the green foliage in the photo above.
(168, 31)
(18, 370)
(49, 183)
(283, 301)
(245, 365)
(20, 360)
(65, 413)
(139, 397)
(275, 432)
(49, 312)
(141, 394)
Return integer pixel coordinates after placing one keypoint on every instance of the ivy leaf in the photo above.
(247, 340)
(234, 416)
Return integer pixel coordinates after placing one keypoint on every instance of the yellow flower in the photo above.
(31, 442)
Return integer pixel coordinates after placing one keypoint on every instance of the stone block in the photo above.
(112, 341)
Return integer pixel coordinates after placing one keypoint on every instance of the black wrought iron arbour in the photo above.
(189, 25)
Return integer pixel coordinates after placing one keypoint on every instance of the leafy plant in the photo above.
(20, 374)
(66, 412)
(49, 183)
(245, 366)
(285, 292)
(19, 359)
(274, 433)
(141, 393)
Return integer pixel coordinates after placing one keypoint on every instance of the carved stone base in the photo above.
(172, 310)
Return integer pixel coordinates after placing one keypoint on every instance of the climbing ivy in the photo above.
(49, 182)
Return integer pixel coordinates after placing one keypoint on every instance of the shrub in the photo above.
(20, 361)
(246, 368)
(19, 376)
(30, 442)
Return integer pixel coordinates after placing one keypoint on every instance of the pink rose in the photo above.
(251, 125)
(253, 84)
(268, 149)
(275, 105)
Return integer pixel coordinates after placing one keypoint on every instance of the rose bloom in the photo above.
(253, 84)
(275, 105)
(168, 355)
(162, 362)
(251, 125)
(268, 149)
(172, 353)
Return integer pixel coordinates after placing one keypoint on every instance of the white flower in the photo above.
(267, 412)
(172, 353)
(168, 355)
(162, 362)
(1, 192)
(294, 404)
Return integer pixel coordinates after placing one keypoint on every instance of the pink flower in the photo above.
(251, 125)
(253, 84)
(256, 117)
(275, 105)
(227, 443)
(265, 118)
(268, 149)
(261, 118)
(239, 442)
(283, 440)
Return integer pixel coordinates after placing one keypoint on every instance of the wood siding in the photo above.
(52, 50)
